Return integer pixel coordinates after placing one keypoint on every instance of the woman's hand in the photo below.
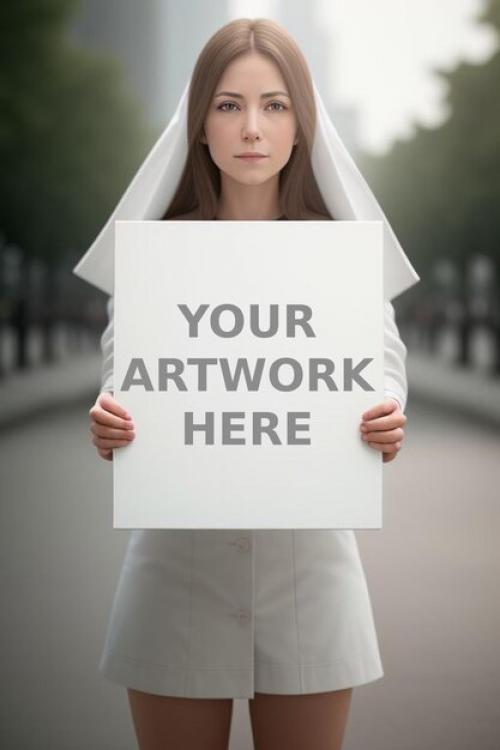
(111, 425)
(382, 428)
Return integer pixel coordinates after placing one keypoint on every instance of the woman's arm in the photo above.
(395, 382)
(107, 340)
(110, 424)
(382, 425)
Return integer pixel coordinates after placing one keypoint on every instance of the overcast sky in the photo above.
(384, 55)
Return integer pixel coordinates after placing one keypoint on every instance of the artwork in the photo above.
(246, 359)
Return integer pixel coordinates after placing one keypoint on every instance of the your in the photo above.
(295, 315)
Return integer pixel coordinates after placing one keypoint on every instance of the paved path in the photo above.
(432, 572)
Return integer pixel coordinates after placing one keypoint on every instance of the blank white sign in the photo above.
(234, 428)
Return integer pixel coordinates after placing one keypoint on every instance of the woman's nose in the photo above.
(251, 127)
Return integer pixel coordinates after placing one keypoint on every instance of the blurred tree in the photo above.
(71, 137)
(441, 189)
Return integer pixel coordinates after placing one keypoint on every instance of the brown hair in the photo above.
(199, 186)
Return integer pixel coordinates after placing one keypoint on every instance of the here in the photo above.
(262, 423)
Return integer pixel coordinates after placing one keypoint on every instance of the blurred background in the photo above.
(86, 88)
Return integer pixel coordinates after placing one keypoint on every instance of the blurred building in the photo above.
(156, 43)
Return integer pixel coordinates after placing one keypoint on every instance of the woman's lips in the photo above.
(251, 158)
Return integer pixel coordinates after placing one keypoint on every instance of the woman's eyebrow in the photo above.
(262, 96)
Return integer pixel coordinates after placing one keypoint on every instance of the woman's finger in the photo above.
(105, 402)
(396, 419)
(108, 432)
(107, 454)
(101, 442)
(379, 410)
(391, 436)
(106, 419)
(109, 403)
(386, 447)
(101, 416)
(386, 457)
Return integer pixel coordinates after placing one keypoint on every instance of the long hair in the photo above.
(199, 186)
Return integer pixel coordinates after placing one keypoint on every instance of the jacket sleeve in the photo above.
(395, 351)
(107, 349)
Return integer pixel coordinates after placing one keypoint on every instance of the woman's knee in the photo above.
(312, 721)
(171, 722)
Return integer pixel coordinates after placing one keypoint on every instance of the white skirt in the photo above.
(224, 613)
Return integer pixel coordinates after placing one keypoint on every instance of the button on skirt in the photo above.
(225, 613)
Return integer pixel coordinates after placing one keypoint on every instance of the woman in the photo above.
(179, 638)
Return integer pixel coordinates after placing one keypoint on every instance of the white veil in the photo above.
(343, 188)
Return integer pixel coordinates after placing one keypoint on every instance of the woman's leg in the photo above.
(313, 721)
(171, 723)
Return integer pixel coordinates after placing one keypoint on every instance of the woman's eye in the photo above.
(279, 105)
(222, 107)
(231, 104)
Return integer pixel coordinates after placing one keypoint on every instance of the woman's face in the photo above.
(250, 112)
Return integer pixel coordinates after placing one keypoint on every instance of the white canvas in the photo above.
(333, 268)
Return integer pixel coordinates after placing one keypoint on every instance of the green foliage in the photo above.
(441, 190)
(71, 136)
